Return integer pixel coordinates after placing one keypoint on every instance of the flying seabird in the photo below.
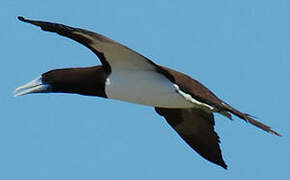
(126, 75)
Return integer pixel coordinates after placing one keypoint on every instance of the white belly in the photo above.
(144, 87)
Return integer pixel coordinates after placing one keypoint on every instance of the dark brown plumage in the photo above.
(196, 127)
(86, 81)
(185, 103)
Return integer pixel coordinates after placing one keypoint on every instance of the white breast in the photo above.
(146, 87)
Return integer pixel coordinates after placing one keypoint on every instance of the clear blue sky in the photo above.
(239, 49)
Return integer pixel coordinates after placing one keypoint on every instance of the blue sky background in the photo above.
(239, 49)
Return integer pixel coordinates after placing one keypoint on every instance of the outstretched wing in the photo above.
(196, 127)
(199, 92)
(111, 53)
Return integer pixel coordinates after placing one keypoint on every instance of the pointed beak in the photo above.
(35, 86)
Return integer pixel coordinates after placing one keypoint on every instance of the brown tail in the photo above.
(249, 119)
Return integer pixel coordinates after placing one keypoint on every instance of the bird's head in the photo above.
(85, 81)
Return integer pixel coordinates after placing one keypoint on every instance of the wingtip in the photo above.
(21, 18)
(223, 165)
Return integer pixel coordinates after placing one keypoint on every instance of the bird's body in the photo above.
(186, 104)
(146, 87)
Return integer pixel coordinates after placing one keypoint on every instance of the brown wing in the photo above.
(199, 92)
(196, 127)
(111, 53)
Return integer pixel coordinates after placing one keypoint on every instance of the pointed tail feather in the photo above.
(249, 119)
(261, 125)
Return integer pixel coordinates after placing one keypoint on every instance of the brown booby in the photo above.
(126, 75)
